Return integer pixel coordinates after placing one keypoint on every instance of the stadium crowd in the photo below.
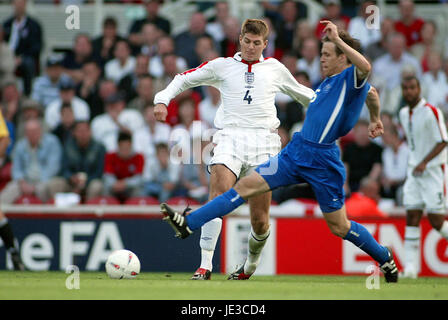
(83, 122)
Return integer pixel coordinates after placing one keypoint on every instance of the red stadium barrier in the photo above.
(306, 246)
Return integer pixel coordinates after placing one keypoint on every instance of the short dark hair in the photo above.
(161, 146)
(124, 136)
(79, 122)
(110, 22)
(410, 78)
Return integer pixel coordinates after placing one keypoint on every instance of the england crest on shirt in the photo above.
(249, 77)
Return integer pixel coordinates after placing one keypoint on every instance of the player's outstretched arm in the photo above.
(361, 63)
(373, 104)
(203, 75)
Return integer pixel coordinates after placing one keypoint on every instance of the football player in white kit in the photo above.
(425, 186)
(247, 122)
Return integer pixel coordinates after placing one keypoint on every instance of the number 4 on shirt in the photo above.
(247, 97)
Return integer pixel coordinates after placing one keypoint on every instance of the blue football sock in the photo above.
(360, 237)
(218, 207)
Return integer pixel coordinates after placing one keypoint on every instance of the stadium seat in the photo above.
(103, 201)
(182, 201)
(28, 200)
(144, 201)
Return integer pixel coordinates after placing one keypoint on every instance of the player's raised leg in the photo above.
(220, 206)
(221, 180)
(358, 235)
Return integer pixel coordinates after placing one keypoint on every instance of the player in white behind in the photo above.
(247, 122)
(425, 186)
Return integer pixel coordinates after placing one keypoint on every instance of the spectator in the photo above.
(152, 133)
(286, 25)
(67, 120)
(122, 64)
(104, 45)
(303, 31)
(290, 60)
(230, 44)
(123, 170)
(106, 127)
(435, 83)
(162, 176)
(75, 59)
(216, 27)
(209, 106)
(145, 93)
(379, 48)
(83, 162)
(36, 162)
(152, 15)
(272, 49)
(365, 202)
(107, 89)
(194, 177)
(409, 25)
(359, 29)
(29, 110)
(67, 96)
(185, 42)
(395, 162)
(11, 101)
(428, 45)
(387, 69)
(165, 45)
(24, 37)
(7, 62)
(150, 35)
(129, 83)
(204, 44)
(362, 158)
(310, 61)
(89, 88)
(46, 87)
(332, 13)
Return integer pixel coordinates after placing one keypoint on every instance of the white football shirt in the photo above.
(247, 90)
(424, 126)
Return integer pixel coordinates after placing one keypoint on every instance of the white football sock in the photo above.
(209, 236)
(444, 230)
(412, 249)
(256, 243)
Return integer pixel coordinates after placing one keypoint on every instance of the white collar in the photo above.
(238, 57)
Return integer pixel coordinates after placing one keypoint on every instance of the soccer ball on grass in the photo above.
(122, 264)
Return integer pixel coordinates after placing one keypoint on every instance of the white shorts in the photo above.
(427, 191)
(243, 149)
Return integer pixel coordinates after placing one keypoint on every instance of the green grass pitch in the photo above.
(160, 286)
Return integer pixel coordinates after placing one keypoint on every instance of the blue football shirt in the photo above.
(336, 107)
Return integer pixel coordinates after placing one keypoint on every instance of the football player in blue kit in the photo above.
(312, 156)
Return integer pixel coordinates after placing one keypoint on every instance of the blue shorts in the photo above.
(317, 164)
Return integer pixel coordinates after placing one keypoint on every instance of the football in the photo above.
(122, 264)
